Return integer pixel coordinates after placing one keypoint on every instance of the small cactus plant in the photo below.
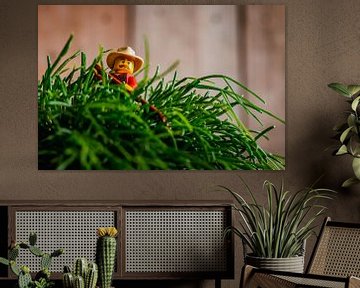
(79, 282)
(68, 278)
(106, 254)
(42, 278)
(91, 276)
(85, 275)
(81, 267)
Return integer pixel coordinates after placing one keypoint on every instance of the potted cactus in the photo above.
(106, 254)
(42, 278)
(85, 275)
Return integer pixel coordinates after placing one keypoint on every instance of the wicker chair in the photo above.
(334, 263)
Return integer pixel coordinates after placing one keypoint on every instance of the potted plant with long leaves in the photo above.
(348, 132)
(274, 234)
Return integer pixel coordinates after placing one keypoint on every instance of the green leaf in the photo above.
(356, 167)
(355, 103)
(351, 120)
(353, 89)
(342, 150)
(344, 134)
(340, 88)
(62, 54)
(4, 261)
(349, 182)
(354, 145)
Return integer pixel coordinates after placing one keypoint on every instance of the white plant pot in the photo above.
(291, 264)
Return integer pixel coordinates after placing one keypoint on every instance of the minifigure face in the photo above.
(122, 65)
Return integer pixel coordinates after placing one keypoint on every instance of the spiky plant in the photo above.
(84, 273)
(106, 254)
(279, 229)
(85, 123)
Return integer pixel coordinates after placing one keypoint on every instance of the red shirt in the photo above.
(126, 78)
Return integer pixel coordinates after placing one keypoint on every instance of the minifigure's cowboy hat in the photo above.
(127, 53)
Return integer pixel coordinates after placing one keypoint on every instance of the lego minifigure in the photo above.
(123, 63)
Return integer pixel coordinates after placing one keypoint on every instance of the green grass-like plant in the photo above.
(279, 229)
(86, 123)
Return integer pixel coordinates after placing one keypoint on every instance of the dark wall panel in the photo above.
(3, 238)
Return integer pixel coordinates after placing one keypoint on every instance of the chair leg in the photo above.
(217, 283)
(246, 274)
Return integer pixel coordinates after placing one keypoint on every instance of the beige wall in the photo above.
(322, 46)
(91, 25)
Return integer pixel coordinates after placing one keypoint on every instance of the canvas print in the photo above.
(178, 87)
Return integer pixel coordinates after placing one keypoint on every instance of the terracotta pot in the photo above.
(291, 264)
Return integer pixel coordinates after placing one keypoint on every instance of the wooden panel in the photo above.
(202, 37)
(245, 42)
(264, 42)
(92, 25)
(3, 239)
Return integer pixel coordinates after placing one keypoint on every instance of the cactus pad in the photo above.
(45, 261)
(14, 268)
(36, 251)
(32, 239)
(57, 252)
(24, 245)
(24, 280)
(14, 253)
(25, 269)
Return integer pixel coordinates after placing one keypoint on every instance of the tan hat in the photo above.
(127, 53)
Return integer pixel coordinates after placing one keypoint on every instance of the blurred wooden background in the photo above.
(246, 42)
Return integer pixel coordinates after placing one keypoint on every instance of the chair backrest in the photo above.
(337, 251)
